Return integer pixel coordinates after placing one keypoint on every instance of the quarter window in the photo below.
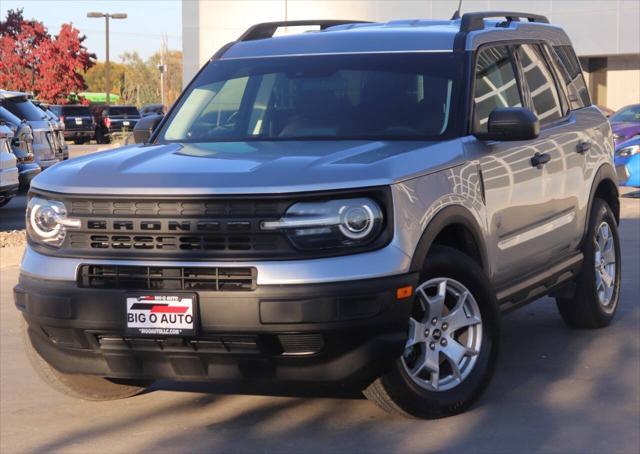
(542, 88)
(496, 84)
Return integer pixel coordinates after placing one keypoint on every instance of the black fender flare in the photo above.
(605, 172)
(452, 214)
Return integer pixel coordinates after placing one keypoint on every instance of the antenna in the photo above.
(456, 15)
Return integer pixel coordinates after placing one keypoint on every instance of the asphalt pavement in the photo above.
(555, 390)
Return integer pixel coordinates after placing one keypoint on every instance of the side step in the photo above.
(539, 284)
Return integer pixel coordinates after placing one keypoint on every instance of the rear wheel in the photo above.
(86, 387)
(452, 342)
(597, 292)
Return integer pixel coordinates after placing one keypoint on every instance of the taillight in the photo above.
(107, 122)
(62, 118)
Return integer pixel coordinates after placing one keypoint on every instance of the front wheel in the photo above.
(452, 342)
(86, 387)
(597, 292)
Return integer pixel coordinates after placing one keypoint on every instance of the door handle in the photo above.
(540, 159)
(583, 147)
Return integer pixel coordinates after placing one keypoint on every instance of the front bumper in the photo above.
(27, 173)
(622, 173)
(343, 332)
(8, 192)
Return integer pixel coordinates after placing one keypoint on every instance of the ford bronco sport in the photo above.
(353, 205)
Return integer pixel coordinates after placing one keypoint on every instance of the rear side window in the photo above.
(569, 69)
(496, 84)
(541, 84)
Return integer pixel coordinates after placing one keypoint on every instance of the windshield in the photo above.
(121, 111)
(366, 96)
(23, 109)
(629, 114)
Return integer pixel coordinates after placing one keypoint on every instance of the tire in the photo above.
(397, 392)
(586, 309)
(85, 387)
(78, 141)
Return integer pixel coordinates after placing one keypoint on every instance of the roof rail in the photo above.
(268, 29)
(475, 21)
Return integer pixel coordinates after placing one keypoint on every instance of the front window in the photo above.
(366, 96)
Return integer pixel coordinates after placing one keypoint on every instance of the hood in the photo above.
(625, 129)
(247, 167)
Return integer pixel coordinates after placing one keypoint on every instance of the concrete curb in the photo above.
(11, 256)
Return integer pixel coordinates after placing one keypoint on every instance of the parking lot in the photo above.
(555, 390)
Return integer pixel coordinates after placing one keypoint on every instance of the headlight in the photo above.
(330, 224)
(629, 151)
(47, 221)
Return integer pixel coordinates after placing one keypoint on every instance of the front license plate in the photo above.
(78, 121)
(126, 123)
(161, 315)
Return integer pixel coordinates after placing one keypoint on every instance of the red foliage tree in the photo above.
(32, 60)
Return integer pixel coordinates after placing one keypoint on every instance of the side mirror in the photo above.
(511, 123)
(144, 127)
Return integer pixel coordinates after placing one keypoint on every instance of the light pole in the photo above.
(162, 68)
(107, 16)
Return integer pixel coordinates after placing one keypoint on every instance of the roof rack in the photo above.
(475, 21)
(268, 29)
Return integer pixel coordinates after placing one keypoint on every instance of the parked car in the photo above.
(8, 170)
(354, 206)
(112, 120)
(626, 123)
(627, 160)
(78, 121)
(62, 148)
(22, 147)
(151, 109)
(44, 145)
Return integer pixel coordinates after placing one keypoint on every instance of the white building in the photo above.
(605, 33)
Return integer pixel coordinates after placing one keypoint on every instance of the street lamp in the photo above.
(107, 16)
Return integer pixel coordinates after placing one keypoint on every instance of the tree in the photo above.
(32, 60)
(94, 78)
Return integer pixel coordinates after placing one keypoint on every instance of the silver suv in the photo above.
(351, 206)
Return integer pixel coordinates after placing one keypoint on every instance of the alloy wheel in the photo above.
(605, 265)
(445, 335)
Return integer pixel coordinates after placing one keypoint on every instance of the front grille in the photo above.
(194, 228)
(221, 279)
(301, 344)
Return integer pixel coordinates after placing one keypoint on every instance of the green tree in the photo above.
(94, 78)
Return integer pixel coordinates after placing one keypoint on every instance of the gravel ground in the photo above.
(12, 238)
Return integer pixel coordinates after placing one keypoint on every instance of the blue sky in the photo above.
(142, 31)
